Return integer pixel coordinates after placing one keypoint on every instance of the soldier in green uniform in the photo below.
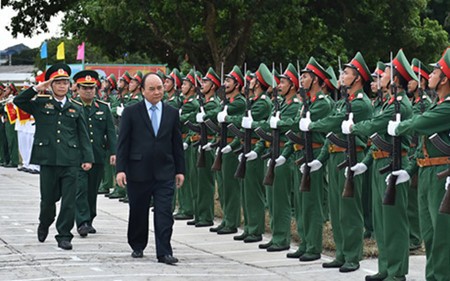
(204, 196)
(253, 190)
(347, 214)
(172, 87)
(434, 225)
(110, 84)
(390, 221)
(103, 140)
(135, 94)
(3, 159)
(61, 145)
(313, 80)
(188, 112)
(11, 133)
(234, 82)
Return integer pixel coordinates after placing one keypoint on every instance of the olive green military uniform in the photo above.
(102, 136)
(347, 214)
(13, 146)
(434, 226)
(390, 222)
(4, 152)
(61, 144)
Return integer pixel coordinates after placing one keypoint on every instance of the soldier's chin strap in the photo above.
(442, 76)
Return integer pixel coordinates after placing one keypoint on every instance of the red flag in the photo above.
(80, 53)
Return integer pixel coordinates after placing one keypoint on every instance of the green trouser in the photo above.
(108, 175)
(193, 173)
(185, 202)
(390, 223)
(347, 215)
(435, 226)
(253, 198)
(231, 191)
(4, 155)
(58, 182)
(280, 197)
(13, 146)
(325, 204)
(86, 195)
(312, 215)
(219, 184)
(415, 238)
(298, 204)
(205, 191)
(366, 198)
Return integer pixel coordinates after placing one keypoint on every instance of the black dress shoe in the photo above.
(376, 277)
(65, 245)
(253, 238)
(295, 255)
(265, 245)
(333, 264)
(182, 217)
(309, 257)
(204, 224)
(83, 230)
(137, 254)
(191, 222)
(168, 259)
(227, 230)
(276, 248)
(240, 237)
(42, 233)
(34, 172)
(92, 229)
(217, 228)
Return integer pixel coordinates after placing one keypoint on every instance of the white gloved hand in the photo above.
(179, 111)
(447, 182)
(304, 122)
(347, 124)
(315, 165)
(185, 146)
(357, 169)
(274, 120)
(402, 176)
(199, 117)
(226, 149)
(221, 116)
(207, 147)
(251, 156)
(119, 110)
(392, 125)
(247, 121)
(280, 161)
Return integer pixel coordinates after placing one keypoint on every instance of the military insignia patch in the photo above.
(99, 112)
(71, 110)
(49, 106)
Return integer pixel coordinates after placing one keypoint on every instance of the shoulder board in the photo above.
(321, 96)
(295, 100)
(360, 96)
(104, 102)
(76, 102)
(399, 98)
(44, 96)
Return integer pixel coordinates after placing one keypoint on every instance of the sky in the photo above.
(6, 39)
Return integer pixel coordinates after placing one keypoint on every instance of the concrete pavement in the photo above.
(106, 255)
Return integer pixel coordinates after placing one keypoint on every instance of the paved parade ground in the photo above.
(106, 255)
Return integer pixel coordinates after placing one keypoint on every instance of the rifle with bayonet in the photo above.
(443, 147)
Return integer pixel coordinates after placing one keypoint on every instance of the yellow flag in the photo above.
(60, 55)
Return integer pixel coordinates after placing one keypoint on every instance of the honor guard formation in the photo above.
(368, 151)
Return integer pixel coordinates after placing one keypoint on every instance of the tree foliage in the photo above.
(236, 31)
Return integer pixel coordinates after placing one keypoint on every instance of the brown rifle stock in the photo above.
(445, 203)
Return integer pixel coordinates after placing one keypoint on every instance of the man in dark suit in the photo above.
(150, 161)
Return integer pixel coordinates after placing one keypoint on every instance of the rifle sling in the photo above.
(380, 154)
(335, 149)
(434, 161)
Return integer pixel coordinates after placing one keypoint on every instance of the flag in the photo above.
(60, 55)
(80, 53)
(44, 50)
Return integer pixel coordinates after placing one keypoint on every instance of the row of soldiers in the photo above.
(247, 134)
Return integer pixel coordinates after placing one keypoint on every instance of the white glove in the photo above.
(247, 121)
(222, 115)
(240, 156)
(346, 124)
(217, 151)
(199, 117)
(185, 146)
(357, 169)
(402, 176)
(392, 125)
(280, 161)
(315, 165)
(119, 110)
(207, 147)
(302, 168)
(226, 149)
(447, 182)
(304, 122)
(274, 120)
(251, 156)
(179, 111)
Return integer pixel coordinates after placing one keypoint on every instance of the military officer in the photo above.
(390, 221)
(347, 214)
(434, 226)
(103, 140)
(61, 143)
(11, 134)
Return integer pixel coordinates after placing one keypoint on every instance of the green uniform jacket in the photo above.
(101, 130)
(61, 137)
(189, 110)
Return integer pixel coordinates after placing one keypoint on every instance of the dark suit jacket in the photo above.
(141, 155)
